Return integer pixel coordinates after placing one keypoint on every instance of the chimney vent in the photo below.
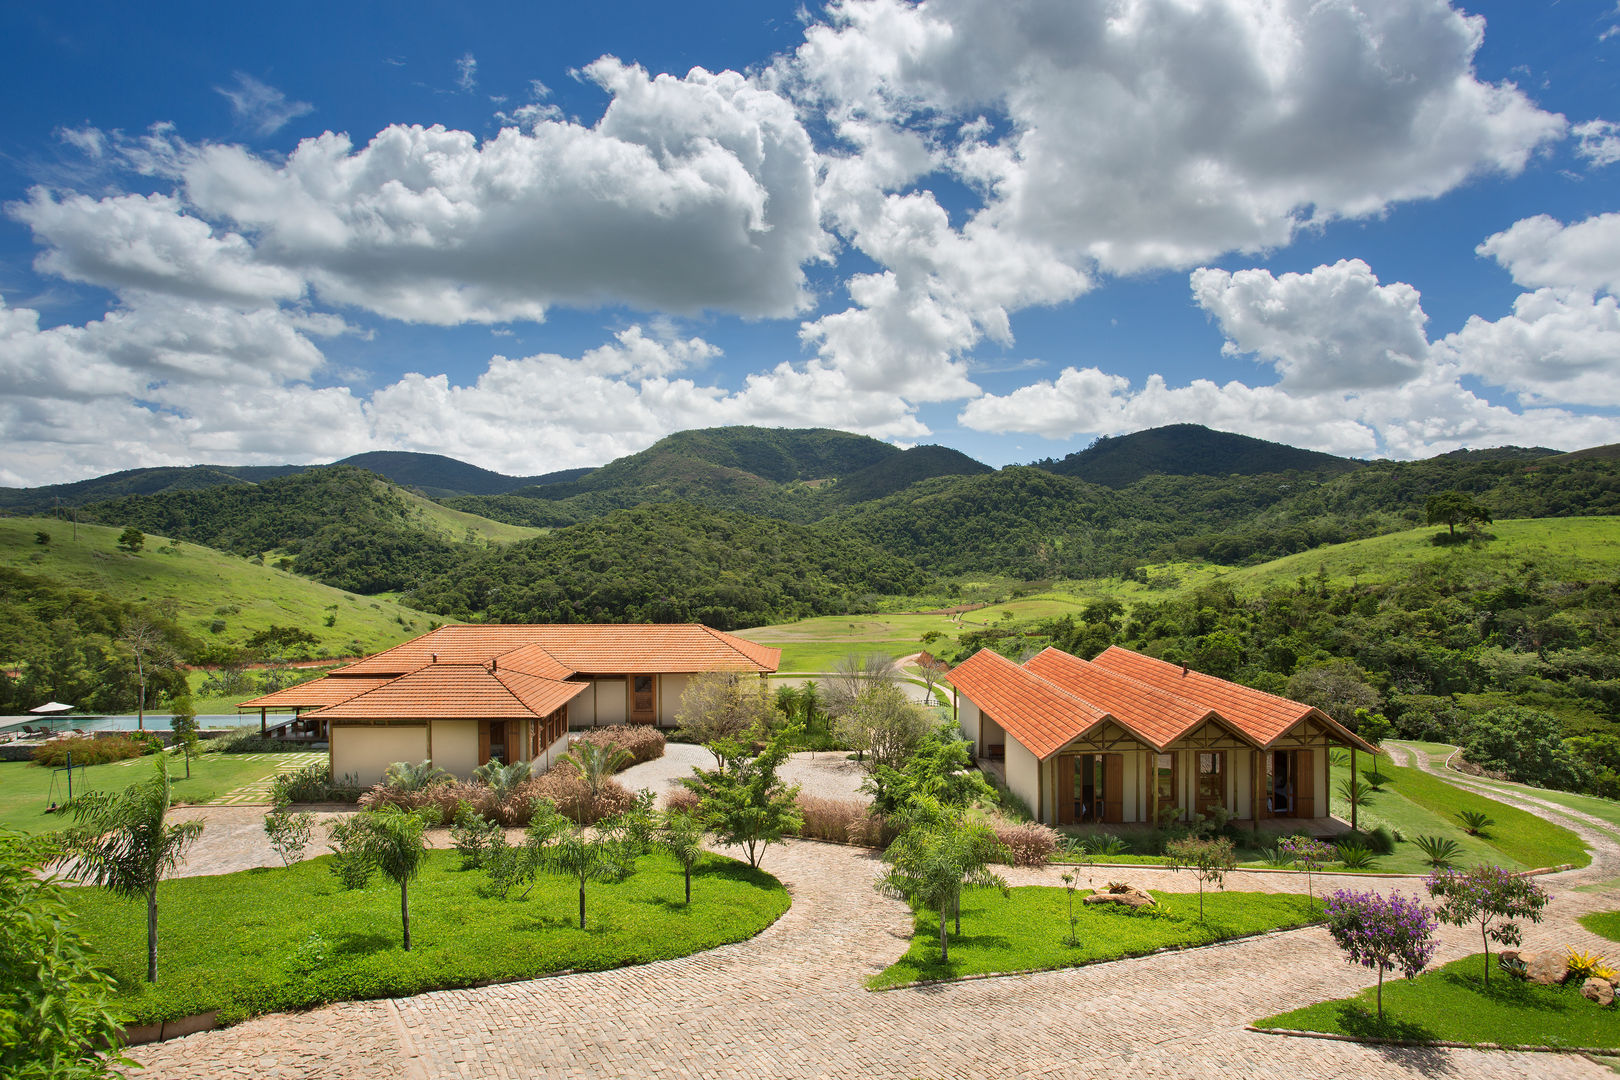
(434, 656)
(1184, 669)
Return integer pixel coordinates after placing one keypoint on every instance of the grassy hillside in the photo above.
(1190, 450)
(206, 586)
(447, 523)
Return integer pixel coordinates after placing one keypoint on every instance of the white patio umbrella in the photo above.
(52, 707)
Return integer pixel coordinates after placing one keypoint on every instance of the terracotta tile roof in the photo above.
(532, 660)
(1153, 715)
(457, 691)
(1261, 716)
(317, 693)
(597, 649)
(1040, 715)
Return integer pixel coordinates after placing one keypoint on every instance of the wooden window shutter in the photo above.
(1065, 790)
(1304, 784)
(1113, 788)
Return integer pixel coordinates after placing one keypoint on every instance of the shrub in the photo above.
(572, 795)
(642, 742)
(289, 834)
(89, 750)
(843, 821)
(1382, 840)
(681, 801)
(1475, 821)
(1353, 856)
(246, 741)
(313, 784)
(1027, 844)
(474, 836)
(1438, 850)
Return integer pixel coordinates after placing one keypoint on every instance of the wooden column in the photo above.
(1352, 784)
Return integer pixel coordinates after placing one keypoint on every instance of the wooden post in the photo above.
(262, 711)
(1352, 785)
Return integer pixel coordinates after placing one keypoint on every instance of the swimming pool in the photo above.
(154, 722)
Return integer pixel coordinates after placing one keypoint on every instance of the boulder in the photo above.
(1129, 896)
(1598, 990)
(1547, 968)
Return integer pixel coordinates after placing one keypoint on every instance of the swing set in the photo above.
(68, 768)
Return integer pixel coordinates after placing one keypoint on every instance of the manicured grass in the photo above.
(1452, 1003)
(1028, 930)
(26, 789)
(820, 656)
(1410, 819)
(270, 940)
(1518, 834)
(208, 586)
(1603, 924)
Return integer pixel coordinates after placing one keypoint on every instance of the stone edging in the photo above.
(1090, 963)
(164, 1030)
(1449, 1044)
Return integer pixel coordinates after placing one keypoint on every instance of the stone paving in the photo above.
(790, 1003)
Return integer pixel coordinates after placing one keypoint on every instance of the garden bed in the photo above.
(272, 940)
(1450, 1005)
(1028, 930)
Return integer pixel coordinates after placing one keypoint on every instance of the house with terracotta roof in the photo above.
(1126, 738)
(461, 695)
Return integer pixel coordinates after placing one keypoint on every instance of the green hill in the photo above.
(899, 471)
(206, 588)
(436, 475)
(1190, 450)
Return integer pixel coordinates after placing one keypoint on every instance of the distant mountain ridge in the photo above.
(1190, 450)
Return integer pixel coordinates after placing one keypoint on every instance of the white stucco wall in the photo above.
(967, 717)
(670, 689)
(1023, 777)
(366, 752)
(455, 746)
(612, 702)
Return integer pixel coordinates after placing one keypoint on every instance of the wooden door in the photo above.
(1304, 785)
(1068, 793)
(642, 705)
(1113, 797)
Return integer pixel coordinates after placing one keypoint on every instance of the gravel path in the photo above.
(829, 774)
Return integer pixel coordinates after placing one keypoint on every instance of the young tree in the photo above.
(546, 824)
(1386, 933)
(120, 842)
(1209, 858)
(1454, 508)
(882, 726)
(289, 833)
(183, 723)
(1485, 895)
(395, 842)
(1310, 853)
(683, 838)
(596, 764)
(720, 706)
(743, 801)
(853, 674)
(590, 855)
(131, 539)
(503, 780)
(809, 704)
(938, 856)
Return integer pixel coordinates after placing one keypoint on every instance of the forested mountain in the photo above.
(437, 475)
(671, 563)
(1190, 450)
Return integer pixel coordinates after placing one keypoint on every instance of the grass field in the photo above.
(1410, 820)
(1603, 924)
(277, 939)
(206, 586)
(1607, 810)
(1028, 930)
(27, 789)
(458, 526)
(1452, 1003)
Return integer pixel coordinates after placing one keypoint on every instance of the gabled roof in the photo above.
(317, 693)
(583, 648)
(1263, 717)
(457, 691)
(1040, 715)
(1153, 715)
(1055, 698)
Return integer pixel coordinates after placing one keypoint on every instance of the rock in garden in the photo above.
(1546, 968)
(1130, 896)
(1598, 990)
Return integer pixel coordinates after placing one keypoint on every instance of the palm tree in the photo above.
(933, 861)
(502, 779)
(419, 777)
(589, 856)
(120, 842)
(393, 839)
(683, 838)
(596, 764)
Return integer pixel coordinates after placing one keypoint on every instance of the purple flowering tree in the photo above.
(1487, 896)
(1309, 853)
(1386, 933)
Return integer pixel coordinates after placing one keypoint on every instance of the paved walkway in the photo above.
(827, 773)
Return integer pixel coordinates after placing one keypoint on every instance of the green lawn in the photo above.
(27, 789)
(1453, 1004)
(271, 940)
(1603, 924)
(1518, 834)
(1028, 930)
(1607, 810)
(1410, 820)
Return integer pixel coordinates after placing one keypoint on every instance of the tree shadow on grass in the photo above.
(349, 943)
(734, 871)
(1358, 1020)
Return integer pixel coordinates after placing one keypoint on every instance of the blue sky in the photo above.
(1376, 227)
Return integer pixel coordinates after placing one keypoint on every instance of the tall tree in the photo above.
(1454, 508)
(143, 639)
(121, 842)
(183, 724)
